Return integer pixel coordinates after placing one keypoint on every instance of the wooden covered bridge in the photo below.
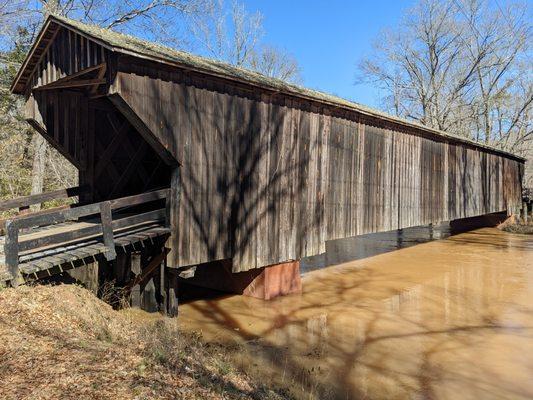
(217, 165)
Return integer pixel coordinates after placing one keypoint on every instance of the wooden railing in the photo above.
(24, 203)
(104, 225)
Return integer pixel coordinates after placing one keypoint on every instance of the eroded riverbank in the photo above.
(448, 319)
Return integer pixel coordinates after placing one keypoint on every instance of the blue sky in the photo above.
(328, 38)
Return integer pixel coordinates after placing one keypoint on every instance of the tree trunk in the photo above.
(39, 163)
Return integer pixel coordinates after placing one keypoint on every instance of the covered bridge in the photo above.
(260, 171)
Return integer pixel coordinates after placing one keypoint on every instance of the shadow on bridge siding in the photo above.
(232, 187)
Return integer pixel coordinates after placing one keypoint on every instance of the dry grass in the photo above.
(61, 342)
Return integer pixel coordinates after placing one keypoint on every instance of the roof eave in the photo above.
(14, 86)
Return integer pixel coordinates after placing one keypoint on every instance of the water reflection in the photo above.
(450, 318)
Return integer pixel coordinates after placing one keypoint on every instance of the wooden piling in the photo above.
(136, 271)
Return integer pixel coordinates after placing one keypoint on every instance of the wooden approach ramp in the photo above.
(35, 245)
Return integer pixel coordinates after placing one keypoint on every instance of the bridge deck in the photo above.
(51, 242)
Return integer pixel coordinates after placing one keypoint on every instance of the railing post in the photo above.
(107, 230)
(11, 250)
(168, 210)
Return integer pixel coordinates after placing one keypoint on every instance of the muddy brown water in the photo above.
(446, 319)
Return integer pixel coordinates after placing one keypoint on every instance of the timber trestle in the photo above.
(46, 243)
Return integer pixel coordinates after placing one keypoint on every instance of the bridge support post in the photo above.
(275, 280)
(172, 292)
(136, 270)
(265, 283)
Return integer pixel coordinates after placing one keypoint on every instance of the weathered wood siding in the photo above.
(267, 178)
(67, 54)
(111, 156)
(62, 116)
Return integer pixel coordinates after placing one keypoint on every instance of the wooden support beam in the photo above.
(148, 298)
(72, 84)
(53, 139)
(107, 230)
(149, 270)
(99, 67)
(100, 75)
(69, 78)
(143, 130)
(130, 169)
(172, 289)
(105, 157)
(161, 284)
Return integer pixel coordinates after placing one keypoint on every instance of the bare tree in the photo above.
(159, 20)
(462, 66)
(275, 63)
(234, 36)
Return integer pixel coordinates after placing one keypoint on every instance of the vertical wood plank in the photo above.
(107, 230)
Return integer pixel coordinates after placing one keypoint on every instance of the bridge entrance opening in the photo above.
(112, 157)
(120, 161)
(117, 231)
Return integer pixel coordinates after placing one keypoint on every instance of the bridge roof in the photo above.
(127, 44)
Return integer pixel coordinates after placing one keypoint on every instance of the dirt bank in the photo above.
(62, 342)
(516, 225)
